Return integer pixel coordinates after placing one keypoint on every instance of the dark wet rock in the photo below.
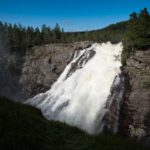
(114, 101)
(81, 61)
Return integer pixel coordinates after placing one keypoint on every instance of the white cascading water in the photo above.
(80, 95)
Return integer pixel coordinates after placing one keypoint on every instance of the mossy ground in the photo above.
(24, 128)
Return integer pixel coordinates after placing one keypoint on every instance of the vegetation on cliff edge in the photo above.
(138, 34)
(134, 33)
(18, 38)
(24, 128)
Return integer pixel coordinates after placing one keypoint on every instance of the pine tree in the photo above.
(37, 37)
(138, 35)
(139, 30)
(57, 33)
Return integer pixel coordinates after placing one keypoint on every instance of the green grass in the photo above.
(24, 128)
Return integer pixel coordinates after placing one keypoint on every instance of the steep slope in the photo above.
(91, 80)
(23, 128)
(136, 104)
(27, 75)
(43, 65)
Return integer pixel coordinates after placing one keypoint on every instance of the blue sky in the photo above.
(72, 15)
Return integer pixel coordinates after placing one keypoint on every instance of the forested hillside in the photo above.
(19, 38)
(134, 33)
(138, 34)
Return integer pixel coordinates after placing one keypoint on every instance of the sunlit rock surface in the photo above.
(86, 90)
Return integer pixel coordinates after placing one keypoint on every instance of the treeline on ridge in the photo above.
(134, 33)
(19, 38)
(138, 34)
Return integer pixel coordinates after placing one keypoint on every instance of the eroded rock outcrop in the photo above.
(135, 119)
(35, 72)
(25, 76)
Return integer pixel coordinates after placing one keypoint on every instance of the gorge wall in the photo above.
(135, 119)
(85, 91)
(25, 76)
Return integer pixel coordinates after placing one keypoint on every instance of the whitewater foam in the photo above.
(80, 94)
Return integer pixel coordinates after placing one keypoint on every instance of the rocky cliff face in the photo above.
(25, 76)
(135, 119)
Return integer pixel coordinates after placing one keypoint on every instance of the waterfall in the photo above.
(89, 90)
